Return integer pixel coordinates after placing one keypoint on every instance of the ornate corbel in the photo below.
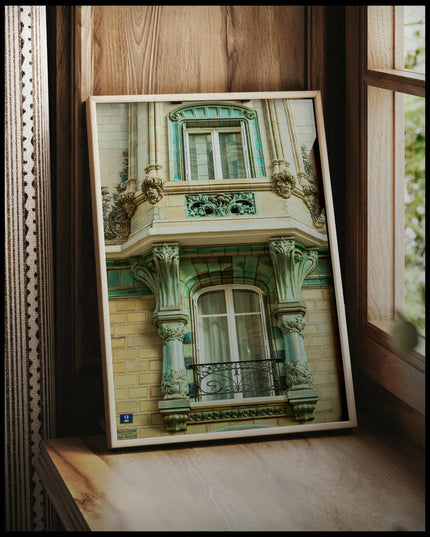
(282, 178)
(153, 185)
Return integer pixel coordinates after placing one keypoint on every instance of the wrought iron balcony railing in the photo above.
(231, 380)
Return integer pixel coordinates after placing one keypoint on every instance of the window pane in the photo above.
(250, 337)
(414, 38)
(414, 305)
(201, 156)
(215, 346)
(232, 162)
(245, 301)
(212, 303)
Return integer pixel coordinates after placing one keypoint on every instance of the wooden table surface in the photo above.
(346, 480)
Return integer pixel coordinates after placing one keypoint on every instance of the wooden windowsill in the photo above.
(321, 482)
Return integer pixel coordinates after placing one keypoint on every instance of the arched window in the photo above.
(232, 345)
(212, 140)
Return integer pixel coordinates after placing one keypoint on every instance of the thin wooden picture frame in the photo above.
(165, 230)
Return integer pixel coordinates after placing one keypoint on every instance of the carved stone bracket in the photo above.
(282, 178)
(153, 186)
(303, 402)
(312, 200)
(126, 200)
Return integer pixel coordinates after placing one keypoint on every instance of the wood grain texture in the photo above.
(196, 49)
(349, 482)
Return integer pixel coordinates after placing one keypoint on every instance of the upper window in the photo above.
(233, 357)
(213, 141)
(217, 153)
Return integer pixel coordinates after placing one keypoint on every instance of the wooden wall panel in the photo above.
(190, 49)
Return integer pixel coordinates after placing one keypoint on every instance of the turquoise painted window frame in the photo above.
(213, 114)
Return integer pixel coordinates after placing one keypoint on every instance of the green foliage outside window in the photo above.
(414, 307)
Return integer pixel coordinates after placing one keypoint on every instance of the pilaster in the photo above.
(161, 275)
(292, 262)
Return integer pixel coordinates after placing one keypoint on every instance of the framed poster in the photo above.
(220, 293)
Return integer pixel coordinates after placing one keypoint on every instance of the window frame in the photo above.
(366, 266)
(231, 323)
(216, 150)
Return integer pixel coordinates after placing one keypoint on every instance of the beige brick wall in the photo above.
(137, 360)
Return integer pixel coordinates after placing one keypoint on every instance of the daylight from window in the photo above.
(414, 302)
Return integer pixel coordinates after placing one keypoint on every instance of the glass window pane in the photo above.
(212, 303)
(250, 340)
(201, 156)
(245, 301)
(232, 162)
(414, 304)
(215, 346)
(414, 38)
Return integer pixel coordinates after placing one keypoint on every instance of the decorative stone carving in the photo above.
(220, 204)
(292, 264)
(219, 414)
(311, 194)
(119, 207)
(282, 178)
(175, 414)
(291, 323)
(127, 202)
(298, 374)
(153, 185)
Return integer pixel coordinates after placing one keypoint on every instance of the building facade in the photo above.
(221, 305)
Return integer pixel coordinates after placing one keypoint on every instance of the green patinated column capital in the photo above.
(292, 263)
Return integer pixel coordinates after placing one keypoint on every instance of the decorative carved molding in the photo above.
(192, 111)
(292, 263)
(153, 186)
(291, 323)
(174, 385)
(161, 275)
(175, 413)
(283, 180)
(127, 202)
(171, 330)
(297, 374)
(119, 207)
(222, 414)
(220, 204)
(303, 401)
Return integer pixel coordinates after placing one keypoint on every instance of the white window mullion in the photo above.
(245, 149)
(186, 153)
(234, 348)
(216, 152)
